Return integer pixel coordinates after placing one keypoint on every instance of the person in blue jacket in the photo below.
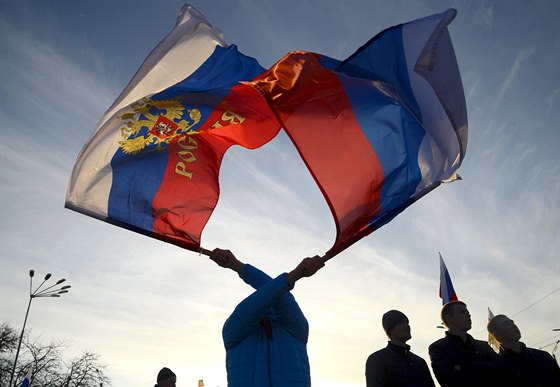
(266, 335)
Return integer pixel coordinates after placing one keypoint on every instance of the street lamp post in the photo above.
(51, 291)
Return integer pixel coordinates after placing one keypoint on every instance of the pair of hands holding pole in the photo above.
(306, 268)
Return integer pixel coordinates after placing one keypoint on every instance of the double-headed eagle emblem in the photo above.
(153, 124)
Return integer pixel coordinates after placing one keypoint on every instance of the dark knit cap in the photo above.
(391, 319)
(165, 373)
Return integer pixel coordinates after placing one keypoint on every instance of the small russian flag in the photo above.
(446, 291)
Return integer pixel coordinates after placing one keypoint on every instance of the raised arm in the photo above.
(225, 258)
(270, 295)
(306, 268)
(287, 310)
(254, 277)
(246, 317)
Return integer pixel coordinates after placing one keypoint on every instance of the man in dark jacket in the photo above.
(395, 365)
(535, 367)
(459, 360)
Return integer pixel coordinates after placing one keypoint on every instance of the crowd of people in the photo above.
(459, 360)
(266, 338)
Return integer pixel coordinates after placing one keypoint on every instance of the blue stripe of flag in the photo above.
(137, 178)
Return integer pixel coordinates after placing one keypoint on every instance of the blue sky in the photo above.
(143, 304)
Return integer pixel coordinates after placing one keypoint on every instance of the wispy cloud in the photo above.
(552, 99)
(484, 14)
(519, 60)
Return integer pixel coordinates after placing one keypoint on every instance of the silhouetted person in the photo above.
(533, 366)
(166, 378)
(266, 335)
(459, 360)
(395, 365)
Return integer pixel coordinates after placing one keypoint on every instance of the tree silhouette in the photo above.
(47, 364)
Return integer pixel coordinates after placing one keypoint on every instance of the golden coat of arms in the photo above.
(155, 123)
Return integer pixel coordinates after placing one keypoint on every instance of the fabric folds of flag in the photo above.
(152, 163)
(446, 290)
(378, 130)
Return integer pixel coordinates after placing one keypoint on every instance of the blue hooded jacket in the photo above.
(255, 358)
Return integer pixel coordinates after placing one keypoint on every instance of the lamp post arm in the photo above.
(48, 293)
(40, 286)
(45, 290)
(20, 338)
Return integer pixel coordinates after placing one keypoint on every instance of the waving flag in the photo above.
(152, 163)
(378, 130)
(446, 291)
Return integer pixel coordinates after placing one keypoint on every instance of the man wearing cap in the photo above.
(533, 366)
(266, 335)
(395, 365)
(166, 378)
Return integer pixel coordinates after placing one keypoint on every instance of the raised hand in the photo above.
(225, 258)
(307, 267)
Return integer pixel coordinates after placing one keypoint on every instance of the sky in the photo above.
(143, 304)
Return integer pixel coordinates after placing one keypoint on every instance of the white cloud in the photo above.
(511, 77)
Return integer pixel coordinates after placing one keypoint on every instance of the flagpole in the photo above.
(204, 251)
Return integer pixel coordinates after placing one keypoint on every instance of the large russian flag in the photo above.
(152, 163)
(378, 130)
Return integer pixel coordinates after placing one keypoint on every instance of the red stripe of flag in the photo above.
(190, 188)
(317, 115)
